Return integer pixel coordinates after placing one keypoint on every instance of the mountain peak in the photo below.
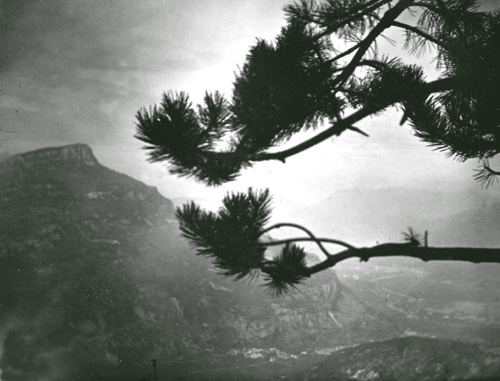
(80, 153)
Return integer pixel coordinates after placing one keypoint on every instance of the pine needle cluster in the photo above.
(301, 80)
(465, 120)
(186, 137)
(231, 236)
(234, 239)
(286, 271)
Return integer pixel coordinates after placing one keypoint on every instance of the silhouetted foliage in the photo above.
(285, 271)
(231, 236)
(302, 81)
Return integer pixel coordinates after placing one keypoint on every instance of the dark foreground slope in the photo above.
(95, 282)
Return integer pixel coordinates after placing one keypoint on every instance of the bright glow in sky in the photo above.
(74, 71)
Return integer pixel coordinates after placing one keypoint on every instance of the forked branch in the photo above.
(311, 235)
(236, 239)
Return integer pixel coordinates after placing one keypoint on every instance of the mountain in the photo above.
(444, 299)
(365, 216)
(447, 300)
(410, 358)
(472, 228)
(95, 281)
(4, 155)
(435, 300)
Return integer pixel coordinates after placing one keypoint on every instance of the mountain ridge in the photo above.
(79, 151)
(365, 217)
(95, 279)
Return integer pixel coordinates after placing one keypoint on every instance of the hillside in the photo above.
(95, 281)
(410, 359)
(442, 299)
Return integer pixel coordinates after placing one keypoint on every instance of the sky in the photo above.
(77, 71)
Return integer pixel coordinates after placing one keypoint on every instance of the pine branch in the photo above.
(229, 237)
(463, 254)
(284, 272)
(385, 22)
(164, 132)
(410, 249)
(485, 175)
(337, 129)
(343, 124)
(375, 64)
(234, 238)
(358, 130)
(307, 239)
(345, 53)
(354, 16)
(492, 171)
(293, 85)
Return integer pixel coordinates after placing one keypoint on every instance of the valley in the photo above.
(95, 281)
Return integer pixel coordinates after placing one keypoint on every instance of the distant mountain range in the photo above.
(95, 281)
(471, 228)
(364, 217)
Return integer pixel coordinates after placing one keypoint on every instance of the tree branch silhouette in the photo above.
(385, 22)
(238, 243)
(344, 124)
(301, 81)
(463, 254)
(417, 31)
(311, 235)
(485, 175)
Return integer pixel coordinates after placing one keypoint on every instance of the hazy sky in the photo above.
(76, 71)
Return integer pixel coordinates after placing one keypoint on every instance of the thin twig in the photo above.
(305, 239)
(358, 130)
(417, 31)
(341, 125)
(369, 8)
(309, 233)
(364, 45)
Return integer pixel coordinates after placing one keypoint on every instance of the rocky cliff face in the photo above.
(76, 154)
(95, 281)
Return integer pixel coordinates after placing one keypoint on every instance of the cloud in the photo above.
(77, 71)
(13, 104)
(489, 5)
